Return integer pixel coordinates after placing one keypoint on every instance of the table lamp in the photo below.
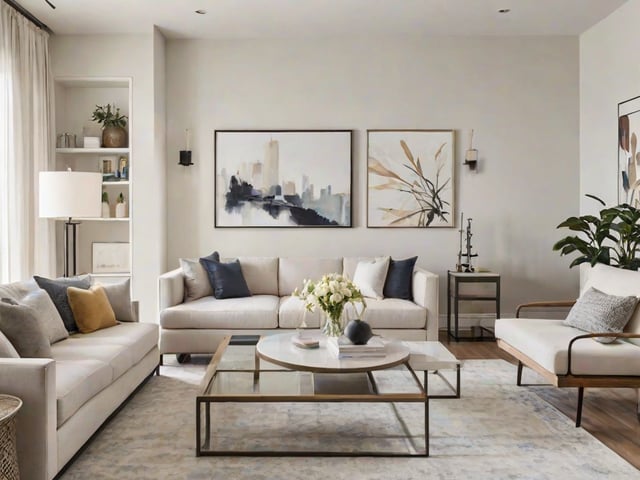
(70, 195)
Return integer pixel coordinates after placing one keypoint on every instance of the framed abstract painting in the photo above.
(629, 152)
(283, 178)
(410, 178)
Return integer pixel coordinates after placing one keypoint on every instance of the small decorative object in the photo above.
(358, 331)
(91, 142)
(123, 168)
(113, 122)
(106, 208)
(410, 178)
(331, 293)
(185, 155)
(110, 257)
(121, 207)
(305, 342)
(471, 156)
(611, 239)
(465, 267)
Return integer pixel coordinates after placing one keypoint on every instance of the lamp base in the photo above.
(70, 254)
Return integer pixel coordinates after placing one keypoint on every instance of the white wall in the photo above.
(129, 56)
(609, 74)
(519, 94)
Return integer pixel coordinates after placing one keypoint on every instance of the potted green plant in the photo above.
(612, 238)
(114, 134)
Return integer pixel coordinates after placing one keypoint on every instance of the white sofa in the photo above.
(569, 357)
(199, 326)
(66, 398)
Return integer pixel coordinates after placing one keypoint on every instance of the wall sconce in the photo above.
(471, 155)
(185, 155)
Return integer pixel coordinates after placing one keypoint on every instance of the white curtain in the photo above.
(27, 243)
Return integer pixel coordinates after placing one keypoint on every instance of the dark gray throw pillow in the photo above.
(57, 290)
(22, 327)
(598, 312)
(226, 279)
(400, 279)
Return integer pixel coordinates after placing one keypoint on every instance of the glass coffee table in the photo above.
(271, 369)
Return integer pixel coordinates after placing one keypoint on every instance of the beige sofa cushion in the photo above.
(261, 274)
(77, 382)
(257, 311)
(546, 343)
(88, 363)
(617, 281)
(292, 272)
(292, 312)
(391, 313)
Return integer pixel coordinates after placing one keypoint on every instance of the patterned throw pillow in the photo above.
(597, 312)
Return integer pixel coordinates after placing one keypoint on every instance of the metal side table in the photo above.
(454, 280)
(9, 407)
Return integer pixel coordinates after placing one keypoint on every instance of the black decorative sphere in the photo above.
(358, 331)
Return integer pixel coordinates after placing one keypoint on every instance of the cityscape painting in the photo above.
(277, 178)
(410, 179)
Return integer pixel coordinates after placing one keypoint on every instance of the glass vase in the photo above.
(333, 325)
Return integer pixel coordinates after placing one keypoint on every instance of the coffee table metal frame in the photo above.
(204, 399)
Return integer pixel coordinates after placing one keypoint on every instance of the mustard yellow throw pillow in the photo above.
(91, 308)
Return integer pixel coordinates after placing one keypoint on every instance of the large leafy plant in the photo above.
(109, 117)
(613, 238)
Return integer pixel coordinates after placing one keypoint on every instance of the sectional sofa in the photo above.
(67, 397)
(198, 326)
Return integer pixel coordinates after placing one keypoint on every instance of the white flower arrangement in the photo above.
(331, 293)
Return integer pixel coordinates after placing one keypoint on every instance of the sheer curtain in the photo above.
(27, 243)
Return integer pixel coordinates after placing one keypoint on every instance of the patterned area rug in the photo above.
(496, 430)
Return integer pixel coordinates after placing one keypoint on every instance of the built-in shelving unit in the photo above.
(75, 101)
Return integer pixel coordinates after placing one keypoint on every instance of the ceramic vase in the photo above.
(106, 210)
(121, 210)
(114, 137)
(358, 331)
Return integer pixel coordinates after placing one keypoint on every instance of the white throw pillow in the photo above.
(369, 277)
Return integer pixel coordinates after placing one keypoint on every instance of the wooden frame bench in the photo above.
(570, 379)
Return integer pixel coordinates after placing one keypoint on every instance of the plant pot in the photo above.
(106, 210)
(114, 137)
(121, 210)
(358, 331)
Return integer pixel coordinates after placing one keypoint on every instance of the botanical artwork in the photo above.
(629, 152)
(296, 178)
(410, 178)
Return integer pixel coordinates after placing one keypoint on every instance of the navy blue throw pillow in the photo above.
(57, 290)
(399, 279)
(226, 279)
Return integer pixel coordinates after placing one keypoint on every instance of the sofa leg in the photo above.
(579, 412)
(161, 360)
(158, 370)
(519, 380)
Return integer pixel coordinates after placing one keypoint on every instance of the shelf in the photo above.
(126, 274)
(105, 151)
(112, 219)
(475, 297)
(123, 182)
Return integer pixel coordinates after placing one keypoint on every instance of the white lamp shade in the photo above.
(68, 194)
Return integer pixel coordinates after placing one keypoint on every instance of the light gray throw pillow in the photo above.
(598, 312)
(7, 350)
(119, 295)
(22, 327)
(48, 314)
(196, 279)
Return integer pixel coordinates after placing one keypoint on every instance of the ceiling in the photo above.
(235, 19)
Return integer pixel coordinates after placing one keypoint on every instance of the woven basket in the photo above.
(9, 406)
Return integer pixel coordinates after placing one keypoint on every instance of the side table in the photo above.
(454, 280)
(9, 407)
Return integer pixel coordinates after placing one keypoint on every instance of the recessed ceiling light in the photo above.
(504, 10)
(201, 12)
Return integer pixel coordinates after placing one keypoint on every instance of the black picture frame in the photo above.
(283, 178)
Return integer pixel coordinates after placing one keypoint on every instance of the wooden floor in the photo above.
(608, 414)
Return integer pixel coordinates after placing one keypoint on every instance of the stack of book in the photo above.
(342, 347)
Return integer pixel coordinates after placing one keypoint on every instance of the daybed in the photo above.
(67, 397)
(570, 357)
(198, 326)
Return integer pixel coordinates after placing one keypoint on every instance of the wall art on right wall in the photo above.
(629, 152)
(410, 178)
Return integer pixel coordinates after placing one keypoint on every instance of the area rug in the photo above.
(496, 430)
